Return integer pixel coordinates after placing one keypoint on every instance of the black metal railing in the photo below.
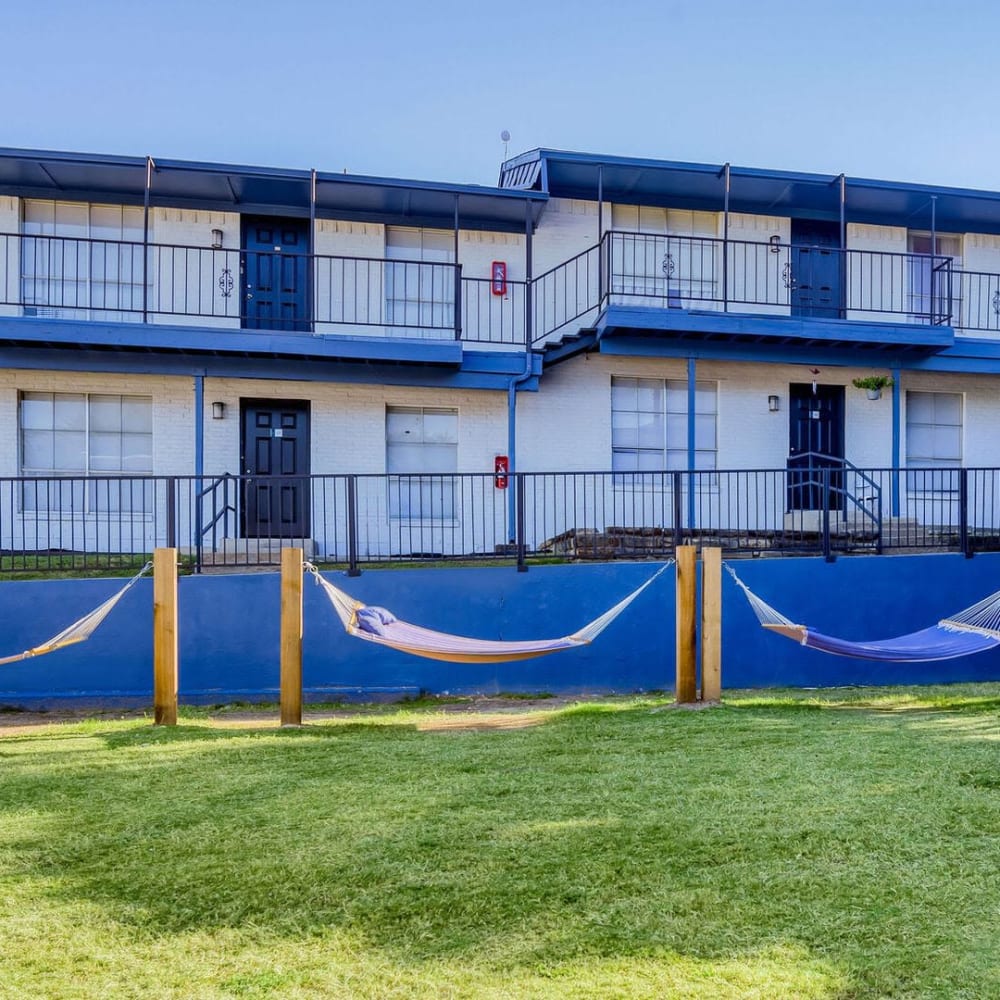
(702, 272)
(823, 282)
(127, 281)
(105, 522)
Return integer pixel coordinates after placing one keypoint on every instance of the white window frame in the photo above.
(83, 497)
(99, 260)
(929, 483)
(664, 253)
(672, 418)
(420, 281)
(918, 245)
(438, 485)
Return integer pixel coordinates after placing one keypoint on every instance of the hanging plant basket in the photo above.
(873, 385)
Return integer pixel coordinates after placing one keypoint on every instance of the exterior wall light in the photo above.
(775, 242)
(773, 403)
(218, 410)
(216, 239)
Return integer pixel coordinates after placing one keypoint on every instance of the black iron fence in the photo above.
(103, 523)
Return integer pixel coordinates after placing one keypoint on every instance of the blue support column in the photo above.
(692, 398)
(896, 409)
(199, 462)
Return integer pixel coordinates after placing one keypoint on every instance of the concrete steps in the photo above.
(238, 552)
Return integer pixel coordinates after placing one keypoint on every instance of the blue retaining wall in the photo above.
(229, 630)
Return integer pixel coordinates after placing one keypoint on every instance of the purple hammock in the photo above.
(973, 630)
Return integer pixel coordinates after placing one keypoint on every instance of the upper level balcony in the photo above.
(689, 285)
(278, 292)
(711, 287)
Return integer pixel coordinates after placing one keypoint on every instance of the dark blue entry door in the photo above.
(275, 451)
(275, 271)
(817, 269)
(815, 446)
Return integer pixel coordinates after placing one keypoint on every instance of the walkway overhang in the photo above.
(265, 190)
(693, 327)
(701, 186)
(69, 345)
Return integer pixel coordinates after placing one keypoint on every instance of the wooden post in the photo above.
(165, 637)
(291, 637)
(686, 690)
(711, 624)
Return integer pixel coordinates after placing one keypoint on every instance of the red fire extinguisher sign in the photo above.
(501, 467)
(498, 277)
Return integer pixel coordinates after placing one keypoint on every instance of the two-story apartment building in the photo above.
(219, 356)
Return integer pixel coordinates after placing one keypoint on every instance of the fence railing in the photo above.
(127, 281)
(62, 524)
(701, 272)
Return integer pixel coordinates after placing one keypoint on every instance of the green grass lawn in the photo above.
(842, 844)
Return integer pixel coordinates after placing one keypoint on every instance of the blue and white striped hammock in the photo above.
(973, 630)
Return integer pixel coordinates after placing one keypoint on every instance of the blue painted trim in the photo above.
(896, 410)
(656, 347)
(301, 369)
(199, 425)
(203, 339)
(784, 329)
(692, 397)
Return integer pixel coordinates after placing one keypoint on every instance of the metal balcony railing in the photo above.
(55, 524)
(772, 278)
(122, 281)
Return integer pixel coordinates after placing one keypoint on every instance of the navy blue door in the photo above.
(816, 287)
(275, 274)
(275, 446)
(815, 443)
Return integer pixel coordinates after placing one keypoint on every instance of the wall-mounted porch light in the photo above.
(218, 410)
(775, 242)
(773, 403)
(216, 239)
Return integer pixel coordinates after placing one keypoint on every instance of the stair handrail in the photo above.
(227, 507)
(541, 331)
(874, 512)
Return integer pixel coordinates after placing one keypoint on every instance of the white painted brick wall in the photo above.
(172, 400)
(350, 298)
(973, 294)
(184, 284)
(492, 322)
(10, 255)
(567, 426)
(347, 422)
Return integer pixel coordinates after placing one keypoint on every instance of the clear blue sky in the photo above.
(893, 89)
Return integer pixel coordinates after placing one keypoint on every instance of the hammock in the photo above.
(375, 624)
(970, 631)
(81, 629)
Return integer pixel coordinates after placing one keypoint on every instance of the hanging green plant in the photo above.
(873, 382)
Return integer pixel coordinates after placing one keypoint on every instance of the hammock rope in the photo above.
(81, 629)
(378, 625)
(973, 630)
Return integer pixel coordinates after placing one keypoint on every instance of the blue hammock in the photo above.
(973, 630)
